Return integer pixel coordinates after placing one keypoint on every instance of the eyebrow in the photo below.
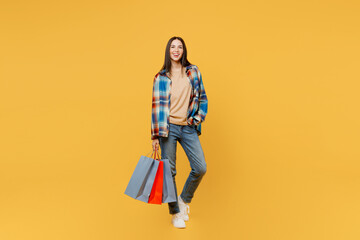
(175, 45)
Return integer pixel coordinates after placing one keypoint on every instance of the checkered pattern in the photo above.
(198, 104)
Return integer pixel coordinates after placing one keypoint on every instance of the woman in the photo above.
(179, 106)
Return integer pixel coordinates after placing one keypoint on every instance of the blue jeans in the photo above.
(187, 136)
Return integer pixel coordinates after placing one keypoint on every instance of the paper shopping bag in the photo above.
(157, 189)
(169, 194)
(142, 179)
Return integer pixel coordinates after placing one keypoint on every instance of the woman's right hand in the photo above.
(155, 144)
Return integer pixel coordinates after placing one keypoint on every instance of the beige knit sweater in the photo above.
(179, 100)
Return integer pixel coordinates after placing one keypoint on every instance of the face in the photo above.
(176, 50)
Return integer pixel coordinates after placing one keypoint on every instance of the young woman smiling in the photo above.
(179, 106)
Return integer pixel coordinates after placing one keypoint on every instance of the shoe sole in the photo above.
(178, 227)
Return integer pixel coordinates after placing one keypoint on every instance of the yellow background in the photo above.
(281, 138)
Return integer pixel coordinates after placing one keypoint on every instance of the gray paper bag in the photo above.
(142, 179)
(168, 183)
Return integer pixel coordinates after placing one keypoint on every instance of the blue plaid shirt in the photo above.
(198, 103)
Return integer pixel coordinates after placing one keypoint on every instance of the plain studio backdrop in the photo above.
(281, 138)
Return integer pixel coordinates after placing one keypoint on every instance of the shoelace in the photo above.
(187, 208)
(177, 216)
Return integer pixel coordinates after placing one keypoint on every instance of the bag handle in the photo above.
(156, 153)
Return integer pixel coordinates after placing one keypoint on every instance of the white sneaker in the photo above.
(177, 220)
(184, 209)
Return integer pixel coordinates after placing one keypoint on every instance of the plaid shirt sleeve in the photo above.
(199, 117)
(155, 108)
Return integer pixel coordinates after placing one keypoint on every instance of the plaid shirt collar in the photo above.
(164, 73)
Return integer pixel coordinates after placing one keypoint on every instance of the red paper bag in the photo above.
(156, 191)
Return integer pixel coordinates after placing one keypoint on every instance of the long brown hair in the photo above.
(167, 62)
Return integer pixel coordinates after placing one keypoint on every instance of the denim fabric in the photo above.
(188, 138)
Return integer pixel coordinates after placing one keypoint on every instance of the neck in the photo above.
(176, 65)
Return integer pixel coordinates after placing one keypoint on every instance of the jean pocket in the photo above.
(192, 127)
